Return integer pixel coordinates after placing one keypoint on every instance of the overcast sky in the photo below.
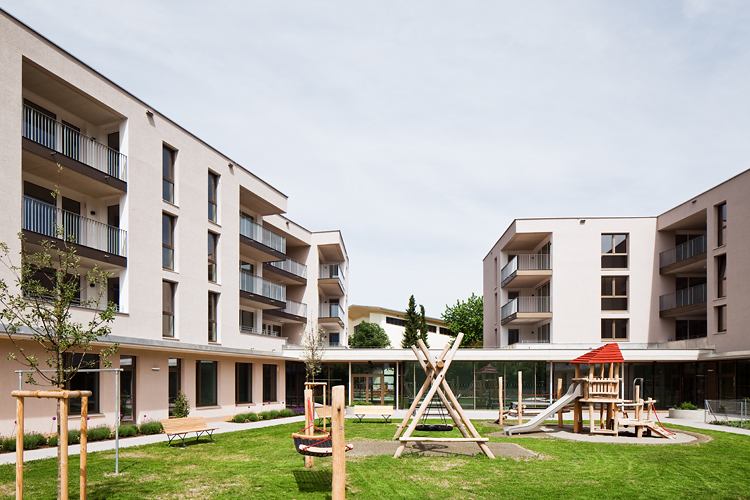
(421, 129)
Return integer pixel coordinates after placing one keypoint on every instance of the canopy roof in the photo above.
(608, 353)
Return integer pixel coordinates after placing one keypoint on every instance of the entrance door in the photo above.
(113, 231)
(368, 388)
(71, 219)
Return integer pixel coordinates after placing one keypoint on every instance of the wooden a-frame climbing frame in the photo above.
(436, 369)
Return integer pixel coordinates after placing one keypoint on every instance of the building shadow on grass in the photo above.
(313, 480)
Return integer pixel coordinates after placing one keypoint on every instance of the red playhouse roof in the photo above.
(608, 353)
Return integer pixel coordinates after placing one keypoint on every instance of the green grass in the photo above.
(262, 463)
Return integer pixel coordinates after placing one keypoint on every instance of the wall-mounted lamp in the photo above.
(93, 213)
(155, 368)
(695, 201)
(93, 285)
(149, 113)
(582, 221)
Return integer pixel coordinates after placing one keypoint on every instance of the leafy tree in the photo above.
(467, 317)
(423, 330)
(313, 351)
(411, 326)
(369, 335)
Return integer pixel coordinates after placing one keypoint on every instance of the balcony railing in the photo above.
(59, 137)
(46, 219)
(685, 251)
(526, 305)
(525, 262)
(291, 266)
(328, 271)
(295, 308)
(256, 232)
(331, 311)
(256, 331)
(682, 298)
(259, 286)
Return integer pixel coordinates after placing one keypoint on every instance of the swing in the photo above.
(439, 410)
(315, 445)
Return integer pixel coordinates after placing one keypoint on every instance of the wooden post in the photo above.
(309, 419)
(19, 448)
(84, 441)
(500, 403)
(63, 448)
(559, 395)
(577, 405)
(338, 408)
(520, 397)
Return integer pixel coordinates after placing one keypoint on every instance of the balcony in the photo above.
(330, 314)
(260, 293)
(289, 272)
(294, 312)
(53, 140)
(687, 257)
(526, 270)
(91, 239)
(683, 302)
(261, 244)
(526, 310)
(331, 280)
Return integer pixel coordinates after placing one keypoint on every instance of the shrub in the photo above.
(181, 406)
(286, 413)
(151, 427)
(98, 433)
(364, 403)
(273, 414)
(264, 415)
(127, 430)
(252, 417)
(240, 418)
(686, 405)
(30, 442)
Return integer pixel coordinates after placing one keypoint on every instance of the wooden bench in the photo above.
(323, 412)
(360, 411)
(180, 427)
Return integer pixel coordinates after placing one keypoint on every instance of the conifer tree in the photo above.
(423, 326)
(411, 326)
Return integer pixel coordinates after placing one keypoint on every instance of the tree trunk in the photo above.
(59, 451)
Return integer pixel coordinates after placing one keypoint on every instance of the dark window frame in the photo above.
(721, 265)
(721, 319)
(610, 329)
(612, 258)
(213, 314)
(213, 247)
(167, 247)
(610, 298)
(213, 197)
(168, 156)
(199, 402)
(167, 313)
(270, 390)
(721, 233)
(248, 395)
(83, 381)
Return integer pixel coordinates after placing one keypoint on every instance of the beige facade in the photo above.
(140, 197)
(393, 323)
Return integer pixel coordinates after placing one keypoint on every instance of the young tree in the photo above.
(369, 335)
(423, 326)
(467, 317)
(411, 327)
(313, 351)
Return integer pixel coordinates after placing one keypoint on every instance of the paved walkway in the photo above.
(223, 427)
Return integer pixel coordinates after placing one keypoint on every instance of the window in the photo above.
(167, 166)
(84, 381)
(205, 383)
(269, 383)
(212, 241)
(721, 264)
(247, 321)
(334, 341)
(721, 318)
(614, 251)
(445, 331)
(614, 329)
(544, 333)
(690, 329)
(167, 241)
(395, 321)
(113, 292)
(175, 382)
(213, 182)
(432, 328)
(614, 293)
(513, 336)
(722, 225)
(243, 383)
(167, 314)
(127, 388)
(213, 300)
(272, 330)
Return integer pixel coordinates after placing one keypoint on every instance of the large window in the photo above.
(721, 237)
(269, 382)
(213, 301)
(544, 331)
(243, 383)
(175, 381)
(127, 388)
(212, 244)
(167, 314)
(167, 241)
(247, 321)
(84, 381)
(167, 165)
(614, 251)
(690, 329)
(213, 182)
(513, 336)
(721, 264)
(614, 293)
(721, 318)
(614, 329)
(205, 383)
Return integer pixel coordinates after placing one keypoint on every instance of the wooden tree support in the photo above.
(436, 370)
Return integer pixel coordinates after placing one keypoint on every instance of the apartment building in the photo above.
(670, 287)
(214, 285)
(393, 322)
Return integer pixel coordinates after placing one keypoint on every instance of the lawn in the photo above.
(262, 463)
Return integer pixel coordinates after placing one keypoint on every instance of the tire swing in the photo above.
(316, 444)
(438, 410)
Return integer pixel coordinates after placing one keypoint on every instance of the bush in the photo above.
(286, 413)
(30, 442)
(127, 430)
(252, 417)
(264, 415)
(686, 406)
(273, 414)
(240, 418)
(151, 427)
(181, 406)
(98, 433)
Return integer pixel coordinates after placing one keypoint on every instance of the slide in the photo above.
(574, 391)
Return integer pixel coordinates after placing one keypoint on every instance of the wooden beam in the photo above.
(418, 396)
(309, 419)
(84, 442)
(19, 448)
(338, 406)
(445, 440)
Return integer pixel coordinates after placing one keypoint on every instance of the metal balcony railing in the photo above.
(526, 305)
(46, 219)
(291, 266)
(259, 286)
(328, 271)
(525, 262)
(331, 311)
(681, 298)
(59, 137)
(295, 308)
(687, 250)
(256, 232)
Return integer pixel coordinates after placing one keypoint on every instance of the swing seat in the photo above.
(303, 443)
(433, 427)
(319, 451)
